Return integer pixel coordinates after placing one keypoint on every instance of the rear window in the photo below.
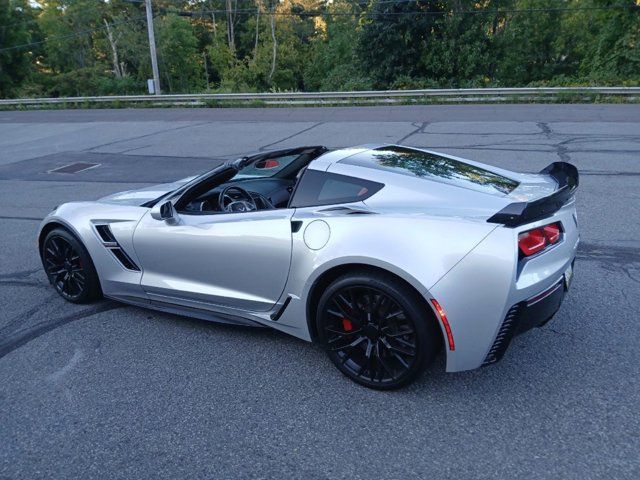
(323, 188)
(417, 163)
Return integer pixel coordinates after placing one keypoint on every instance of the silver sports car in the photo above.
(383, 254)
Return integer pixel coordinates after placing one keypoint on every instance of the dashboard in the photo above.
(276, 192)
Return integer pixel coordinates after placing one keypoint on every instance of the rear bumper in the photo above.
(481, 292)
(523, 316)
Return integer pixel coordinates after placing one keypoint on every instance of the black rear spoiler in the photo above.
(520, 213)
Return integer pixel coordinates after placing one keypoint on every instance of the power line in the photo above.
(70, 35)
(252, 11)
(365, 3)
(24, 22)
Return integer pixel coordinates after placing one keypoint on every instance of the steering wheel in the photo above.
(229, 204)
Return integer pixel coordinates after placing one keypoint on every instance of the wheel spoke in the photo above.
(402, 351)
(344, 305)
(351, 345)
(53, 254)
(376, 306)
(65, 284)
(394, 315)
(342, 336)
(347, 356)
(67, 251)
(398, 334)
(337, 314)
(403, 342)
(52, 263)
(79, 281)
(372, 367)
(55, 248)
(391, 350)
(369, 349)
(383, 363)
(345, 310)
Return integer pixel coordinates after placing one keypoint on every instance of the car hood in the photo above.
(143, 195)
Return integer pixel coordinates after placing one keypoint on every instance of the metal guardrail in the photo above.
(452, 94)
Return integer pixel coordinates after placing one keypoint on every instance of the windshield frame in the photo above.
(305, 156)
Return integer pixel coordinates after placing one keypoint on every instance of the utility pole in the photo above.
(152, 47)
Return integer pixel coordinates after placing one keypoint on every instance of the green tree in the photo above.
(333, 63)
(70, 27)
(526, 43)
(395, 36)
(457, 49)
(615, 50)
(179, 60)
(17, 27)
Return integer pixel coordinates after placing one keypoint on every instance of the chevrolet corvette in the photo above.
(383, 254)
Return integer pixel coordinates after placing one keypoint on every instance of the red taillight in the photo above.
(552, 232)
(536, 240)
(532, 242)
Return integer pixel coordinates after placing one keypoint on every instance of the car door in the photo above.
(237, 260)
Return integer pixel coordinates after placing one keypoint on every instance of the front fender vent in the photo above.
(104, 232)
(111, 244)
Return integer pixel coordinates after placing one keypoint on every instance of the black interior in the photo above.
(265, 193)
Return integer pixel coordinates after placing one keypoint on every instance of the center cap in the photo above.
(371, 331)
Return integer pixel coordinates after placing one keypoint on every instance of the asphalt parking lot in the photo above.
(108, 390)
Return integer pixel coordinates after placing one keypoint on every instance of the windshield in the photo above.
(268, 167)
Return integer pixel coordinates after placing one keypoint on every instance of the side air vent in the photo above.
(111, 244)
(505, 334)
(124, 259)
(105, 234)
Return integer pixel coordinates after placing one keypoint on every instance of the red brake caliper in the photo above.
(346, 325)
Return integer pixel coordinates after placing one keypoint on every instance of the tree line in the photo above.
(100, 47)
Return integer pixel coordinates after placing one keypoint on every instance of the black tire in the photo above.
(69, 267)
(375, 330)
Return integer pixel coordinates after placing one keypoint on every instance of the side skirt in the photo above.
(200, 314)
(249, 319)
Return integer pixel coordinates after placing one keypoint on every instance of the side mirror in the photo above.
(164, 211)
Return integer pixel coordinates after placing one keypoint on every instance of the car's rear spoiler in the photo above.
(520, 213)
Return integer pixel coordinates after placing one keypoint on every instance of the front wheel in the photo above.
(69, 267)
(376, 331)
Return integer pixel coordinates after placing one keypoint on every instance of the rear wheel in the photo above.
(69, 267)
(376, 331)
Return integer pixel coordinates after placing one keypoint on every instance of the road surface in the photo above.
(114, 391)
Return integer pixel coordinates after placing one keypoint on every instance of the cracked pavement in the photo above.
(114, 391)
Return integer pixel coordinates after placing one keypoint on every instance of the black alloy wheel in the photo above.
(69, 267)
(374, 332)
